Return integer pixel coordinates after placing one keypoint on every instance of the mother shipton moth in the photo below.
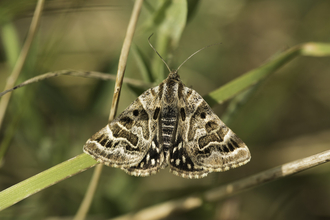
(168, 125)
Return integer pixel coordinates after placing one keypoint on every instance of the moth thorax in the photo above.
(168, 125)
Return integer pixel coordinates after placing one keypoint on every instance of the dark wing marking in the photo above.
(181, 163)
(126, 141)
(208, 141)
(151, 163)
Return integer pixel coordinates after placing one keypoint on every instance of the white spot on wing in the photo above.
(180, 146)
(228, 135)
(177, 162)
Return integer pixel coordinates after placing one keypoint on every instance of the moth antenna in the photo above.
(158, 53)
(194, 54)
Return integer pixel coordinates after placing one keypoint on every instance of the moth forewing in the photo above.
(125, 141)
(213, 145)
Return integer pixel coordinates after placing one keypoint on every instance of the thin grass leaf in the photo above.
(252, 77)
(315, 49)
(143, 64)
(45, 179)
(12, 47)
(10, 42)
(170, 21)
(86, 74)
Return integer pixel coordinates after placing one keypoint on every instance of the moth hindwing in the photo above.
(168, 125)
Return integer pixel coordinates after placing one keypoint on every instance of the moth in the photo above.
(168, 125)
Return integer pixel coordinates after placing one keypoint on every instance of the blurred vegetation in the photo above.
(285, 118)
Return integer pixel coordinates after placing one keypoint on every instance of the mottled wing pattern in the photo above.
(130, 142)
(209, 142)
(204, 143)
(180, 161)
(168, 125)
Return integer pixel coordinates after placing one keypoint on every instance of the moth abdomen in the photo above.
(168, 125)
(167, 131)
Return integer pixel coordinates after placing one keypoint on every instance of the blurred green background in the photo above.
(285, 119)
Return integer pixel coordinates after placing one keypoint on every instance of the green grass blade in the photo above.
(252, 77)
(11, 43)
(315, 49)
(170, 20)
(143, 63)
(44, 179)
